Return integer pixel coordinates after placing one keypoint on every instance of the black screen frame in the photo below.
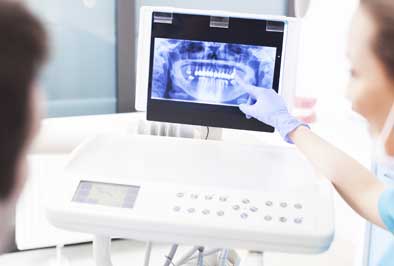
(240, 31)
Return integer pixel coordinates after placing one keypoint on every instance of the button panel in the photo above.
(247, 209)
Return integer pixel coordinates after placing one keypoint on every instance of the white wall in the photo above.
(277, 7)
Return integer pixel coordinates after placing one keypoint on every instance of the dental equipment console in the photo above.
(123, 186)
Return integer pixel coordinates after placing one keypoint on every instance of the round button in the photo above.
(298, 206)
(223, 198)
(194, 196)
(208, 197)
(176, 209)
(269, 203)
(206, 212)
(244, 215)
(180, 195)
(268, 218)
(236, 207)
(283, 204)
(282, 219)
(253, 209)
(298, 220)
(220, 213)
(191, 210)
(245, 201)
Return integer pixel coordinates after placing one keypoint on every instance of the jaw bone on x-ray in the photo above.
(203, 72)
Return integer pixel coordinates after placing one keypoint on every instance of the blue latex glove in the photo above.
(270, 108)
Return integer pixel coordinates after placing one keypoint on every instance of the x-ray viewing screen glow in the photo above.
(203, 72)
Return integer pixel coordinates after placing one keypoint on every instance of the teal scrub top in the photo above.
(386, 210)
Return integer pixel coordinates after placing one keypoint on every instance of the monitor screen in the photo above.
(193, 67)
(203, 72)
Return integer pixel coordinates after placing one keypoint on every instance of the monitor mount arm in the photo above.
(178, 130)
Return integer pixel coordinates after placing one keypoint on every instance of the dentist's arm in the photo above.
(355, 183)
(358, 187)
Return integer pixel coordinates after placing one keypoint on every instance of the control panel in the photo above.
(294, 221)
(263, 208)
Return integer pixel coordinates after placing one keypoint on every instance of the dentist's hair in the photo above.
(23, 50)
(382, 12)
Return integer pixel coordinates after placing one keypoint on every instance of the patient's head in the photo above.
(371, 52)
(22, 53)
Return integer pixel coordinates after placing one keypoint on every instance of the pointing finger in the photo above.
(252, 90)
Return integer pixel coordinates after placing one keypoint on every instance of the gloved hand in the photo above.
(270, 108)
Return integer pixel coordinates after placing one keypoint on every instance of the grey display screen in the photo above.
(112, 195)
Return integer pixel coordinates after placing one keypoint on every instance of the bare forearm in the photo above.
(354, 182)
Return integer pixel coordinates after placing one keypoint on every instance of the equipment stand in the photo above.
(60, 259)
(102, 250)
(253, 258)
(178, 130)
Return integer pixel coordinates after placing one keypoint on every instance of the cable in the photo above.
(206, 137)
(171, 255)
(205, 254)
(148, 251)
(170, 260)
(223, 257)
(200, 261)
(186, 257)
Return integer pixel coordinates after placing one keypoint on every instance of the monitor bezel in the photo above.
(238, 32)
(288, 83)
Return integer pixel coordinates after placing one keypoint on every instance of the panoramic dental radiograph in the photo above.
(204, 72)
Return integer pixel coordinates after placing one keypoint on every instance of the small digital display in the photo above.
(112, 195)
(203, 71)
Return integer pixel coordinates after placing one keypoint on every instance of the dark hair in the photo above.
(382, 12)
(22, 52)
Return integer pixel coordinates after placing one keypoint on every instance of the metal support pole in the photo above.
(102, 250)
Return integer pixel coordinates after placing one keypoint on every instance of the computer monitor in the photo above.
(188, 59)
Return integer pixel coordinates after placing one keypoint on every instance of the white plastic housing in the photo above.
(148, 162)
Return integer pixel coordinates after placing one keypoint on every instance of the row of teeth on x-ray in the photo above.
(219, 74)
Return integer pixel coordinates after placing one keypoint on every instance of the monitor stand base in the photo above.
(178, 130)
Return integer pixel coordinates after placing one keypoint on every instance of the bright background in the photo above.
(81, 80)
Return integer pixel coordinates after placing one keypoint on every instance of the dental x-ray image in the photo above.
(203, 72)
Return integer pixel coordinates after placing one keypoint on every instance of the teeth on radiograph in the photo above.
(212, 72)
